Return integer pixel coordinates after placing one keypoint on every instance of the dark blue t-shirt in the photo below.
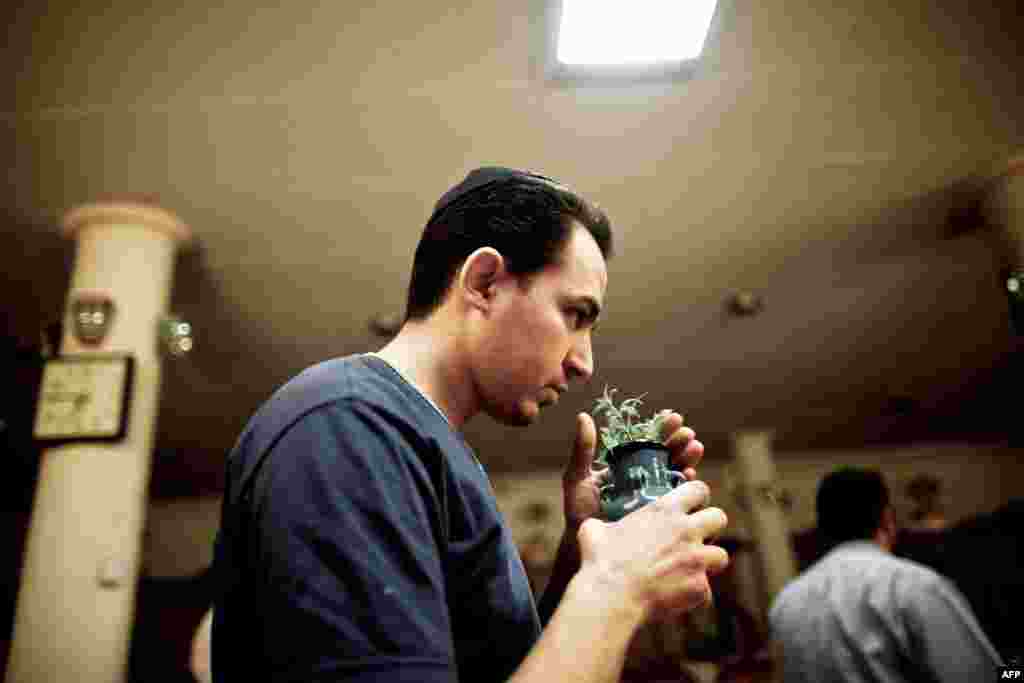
(360, 541)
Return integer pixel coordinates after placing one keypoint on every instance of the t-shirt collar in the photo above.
(410, 383)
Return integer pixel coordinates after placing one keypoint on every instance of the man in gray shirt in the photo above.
(860, 614)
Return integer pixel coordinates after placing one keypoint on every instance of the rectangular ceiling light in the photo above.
(632, 32)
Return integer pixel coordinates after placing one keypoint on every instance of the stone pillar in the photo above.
(76, 601)
(759, 497)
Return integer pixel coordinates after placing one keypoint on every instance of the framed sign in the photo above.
(84, 398)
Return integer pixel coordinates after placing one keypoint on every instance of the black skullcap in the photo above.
(483, 177)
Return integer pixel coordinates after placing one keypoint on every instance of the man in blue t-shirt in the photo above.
(360, 539)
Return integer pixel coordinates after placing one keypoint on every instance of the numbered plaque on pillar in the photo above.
(84, 398)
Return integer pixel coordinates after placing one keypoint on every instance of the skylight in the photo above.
(632, 32)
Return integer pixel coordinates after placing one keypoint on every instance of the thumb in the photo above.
(583, 448)
(589, 536)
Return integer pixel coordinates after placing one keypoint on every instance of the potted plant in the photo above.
(637, 460)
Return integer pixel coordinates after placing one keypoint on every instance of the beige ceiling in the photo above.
(823, 157)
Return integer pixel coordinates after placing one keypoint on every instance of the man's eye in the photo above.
(579, 318)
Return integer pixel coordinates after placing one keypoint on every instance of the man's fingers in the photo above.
(688, 496)
(686, 449)
(679, 437)
(672, 423)
(708, 522)
(715, 559)
(583, 448)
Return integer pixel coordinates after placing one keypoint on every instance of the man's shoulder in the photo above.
(339, 386)
(842, 560)
(329, 380)
(888, 577)
(865, 562)
(794, 592)
(915, 577)
(344, 381)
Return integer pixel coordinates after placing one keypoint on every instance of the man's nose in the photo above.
(580, 361)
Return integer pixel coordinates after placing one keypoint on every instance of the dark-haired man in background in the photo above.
(360, 539)
(861, 615)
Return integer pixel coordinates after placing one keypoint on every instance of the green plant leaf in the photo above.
(620, 427)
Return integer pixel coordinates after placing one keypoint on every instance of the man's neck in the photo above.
(884, 541)
(428, 359)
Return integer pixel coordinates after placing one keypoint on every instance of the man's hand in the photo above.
(650, 564)
(581, 484)
(582, 496)
(655, 559)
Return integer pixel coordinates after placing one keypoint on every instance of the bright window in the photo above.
(632, 32)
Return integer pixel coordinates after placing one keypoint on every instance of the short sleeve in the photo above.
(345, 519)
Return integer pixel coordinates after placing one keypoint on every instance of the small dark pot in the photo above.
(639, 472)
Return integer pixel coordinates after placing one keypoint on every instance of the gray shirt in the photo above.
(860, 614)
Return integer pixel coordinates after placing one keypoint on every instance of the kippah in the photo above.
(482, 177)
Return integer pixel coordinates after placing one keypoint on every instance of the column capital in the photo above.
(125, 209)
(758, 438)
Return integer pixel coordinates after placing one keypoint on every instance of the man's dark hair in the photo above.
(850, 504)
(527, 218)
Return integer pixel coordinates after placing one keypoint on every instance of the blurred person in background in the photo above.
(928, 511)
(922, 538)
(861, 615)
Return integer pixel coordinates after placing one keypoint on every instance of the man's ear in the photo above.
(479, 275)
(889, 522)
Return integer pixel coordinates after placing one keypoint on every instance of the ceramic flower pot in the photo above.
(639, 472)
